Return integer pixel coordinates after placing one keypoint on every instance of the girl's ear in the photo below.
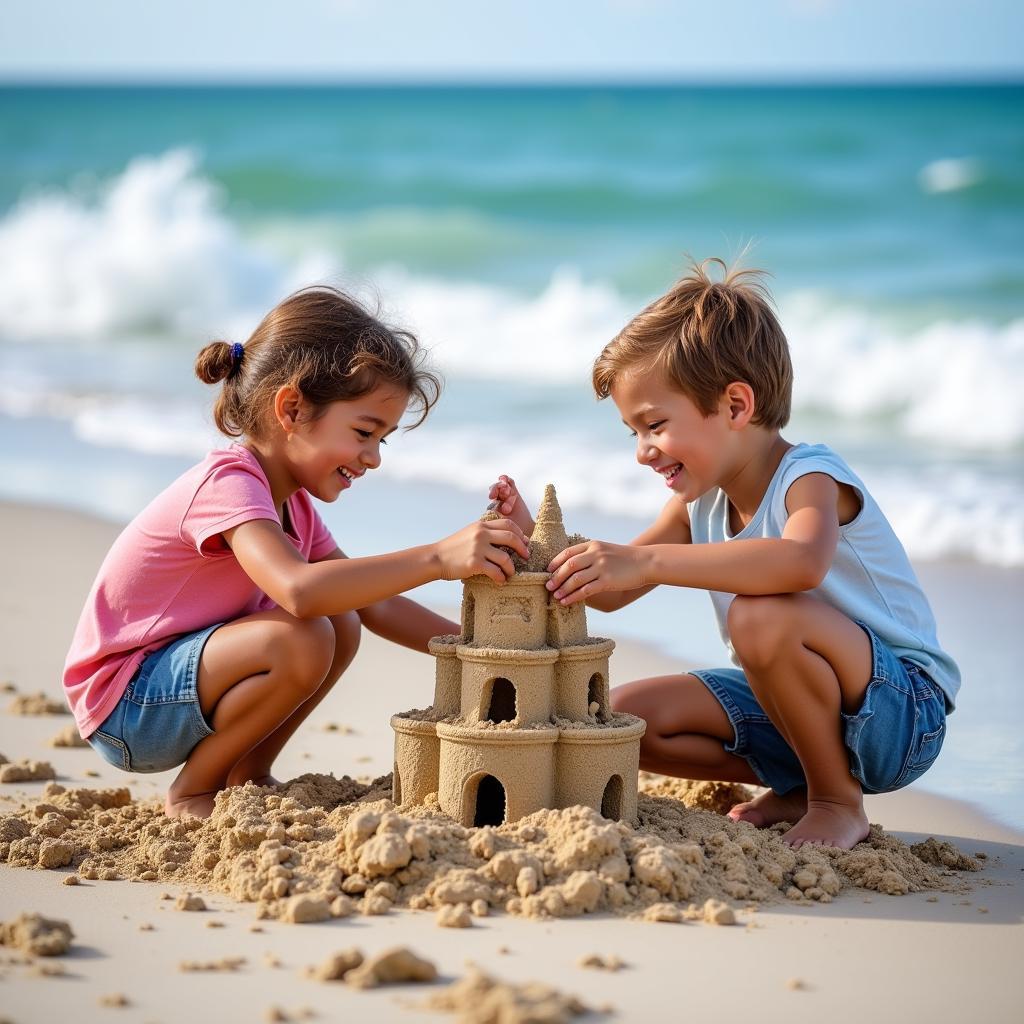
(740, 402)
(287, 407)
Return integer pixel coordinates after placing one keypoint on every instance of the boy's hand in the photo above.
(510, 503)
(584, 570)
(477, 549)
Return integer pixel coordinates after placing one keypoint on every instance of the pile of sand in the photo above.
(320, 846)
(25, 771)
(37, 704)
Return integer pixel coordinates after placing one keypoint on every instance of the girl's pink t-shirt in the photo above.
(170, 572)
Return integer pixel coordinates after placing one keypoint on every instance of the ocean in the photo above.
(515, 230)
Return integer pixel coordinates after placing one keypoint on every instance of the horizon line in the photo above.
(928, 79)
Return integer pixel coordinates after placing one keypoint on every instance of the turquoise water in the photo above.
(516, 230)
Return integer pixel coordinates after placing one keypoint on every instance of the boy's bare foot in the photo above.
(829, 824)
(771, 807)
(199, 805)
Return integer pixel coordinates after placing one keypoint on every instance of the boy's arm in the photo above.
(796, 561)
(402, 620)
(671, 527)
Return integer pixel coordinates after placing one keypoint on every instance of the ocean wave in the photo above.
(950, 174)
(155, 252)
(940, 509)
(152, 252)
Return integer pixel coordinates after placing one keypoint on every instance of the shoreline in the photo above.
(792, 961)
(85, 537)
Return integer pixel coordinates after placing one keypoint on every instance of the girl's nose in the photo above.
(370, 457)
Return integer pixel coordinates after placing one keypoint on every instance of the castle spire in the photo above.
(549, 536)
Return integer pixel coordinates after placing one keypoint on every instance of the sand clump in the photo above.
(26, 771)
(321, 847)
(479, 998)
(36, 704)
(69, 736)
(36, 935)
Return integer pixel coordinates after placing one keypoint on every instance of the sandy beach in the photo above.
(933, 955)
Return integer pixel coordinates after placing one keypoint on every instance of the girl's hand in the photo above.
(583, 570)
(510, 503)
(477, 549)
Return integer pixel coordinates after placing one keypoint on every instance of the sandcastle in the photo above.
(521, 719)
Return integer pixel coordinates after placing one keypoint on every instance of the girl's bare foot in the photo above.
(771, 807)
(829, 824)
(199, 805)
(240, 778)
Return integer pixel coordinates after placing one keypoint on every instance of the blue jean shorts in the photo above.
(158, 721)
(892, 740)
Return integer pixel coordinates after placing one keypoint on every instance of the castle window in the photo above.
(396, 786)
(611, 802)
(499, 698)
(595, 695)
(490, 802)
(468, 612)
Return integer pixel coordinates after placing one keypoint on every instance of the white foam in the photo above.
(949, 174)
(151, 251)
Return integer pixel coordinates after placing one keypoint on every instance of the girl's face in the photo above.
(328, 454)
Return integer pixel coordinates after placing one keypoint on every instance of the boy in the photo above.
(841, 686)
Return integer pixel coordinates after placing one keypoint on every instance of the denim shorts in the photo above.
(892, 740)
(158, 721)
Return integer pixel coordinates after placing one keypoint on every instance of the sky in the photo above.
(528, 40)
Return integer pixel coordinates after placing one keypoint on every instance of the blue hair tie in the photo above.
(236, 354)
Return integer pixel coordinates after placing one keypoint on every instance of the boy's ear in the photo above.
(740, 402)
(287, 407)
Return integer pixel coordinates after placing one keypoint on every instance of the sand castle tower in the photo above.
(520, 719)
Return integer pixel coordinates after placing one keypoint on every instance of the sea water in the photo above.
(515, 230)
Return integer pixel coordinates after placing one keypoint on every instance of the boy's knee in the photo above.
(759, 626)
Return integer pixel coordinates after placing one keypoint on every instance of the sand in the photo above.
(819, 946)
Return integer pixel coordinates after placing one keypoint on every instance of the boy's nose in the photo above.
(646, 452)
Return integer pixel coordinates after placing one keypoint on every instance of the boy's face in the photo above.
(686, 448)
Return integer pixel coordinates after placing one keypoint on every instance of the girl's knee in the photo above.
(347, 633)
(309, 649)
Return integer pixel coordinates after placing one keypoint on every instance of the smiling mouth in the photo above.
(347, 475)
(669, 473)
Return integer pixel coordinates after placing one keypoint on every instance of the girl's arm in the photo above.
(671, 527)
(334, 586)
(401, 620)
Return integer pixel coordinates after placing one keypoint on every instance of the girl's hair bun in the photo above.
(215, 362)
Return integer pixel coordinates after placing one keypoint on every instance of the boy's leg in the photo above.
(686, 729)
(806, 662)
(255, 766)
(253, 674)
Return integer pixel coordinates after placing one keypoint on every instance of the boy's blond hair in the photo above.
(704, 335)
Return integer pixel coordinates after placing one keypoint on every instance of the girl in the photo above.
(225, 611)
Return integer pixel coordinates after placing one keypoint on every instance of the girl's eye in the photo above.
(632, 433)
(655, 426)
(367, 434)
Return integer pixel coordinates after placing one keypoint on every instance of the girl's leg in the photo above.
(686, 729)
(255, 766)
(253, 674)
(806, 662)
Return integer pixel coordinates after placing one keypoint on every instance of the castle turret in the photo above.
(521, 718)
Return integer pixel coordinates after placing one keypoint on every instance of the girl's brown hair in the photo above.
(703, 335)
(328, 347)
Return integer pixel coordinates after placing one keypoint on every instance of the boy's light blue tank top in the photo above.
(870, 580)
